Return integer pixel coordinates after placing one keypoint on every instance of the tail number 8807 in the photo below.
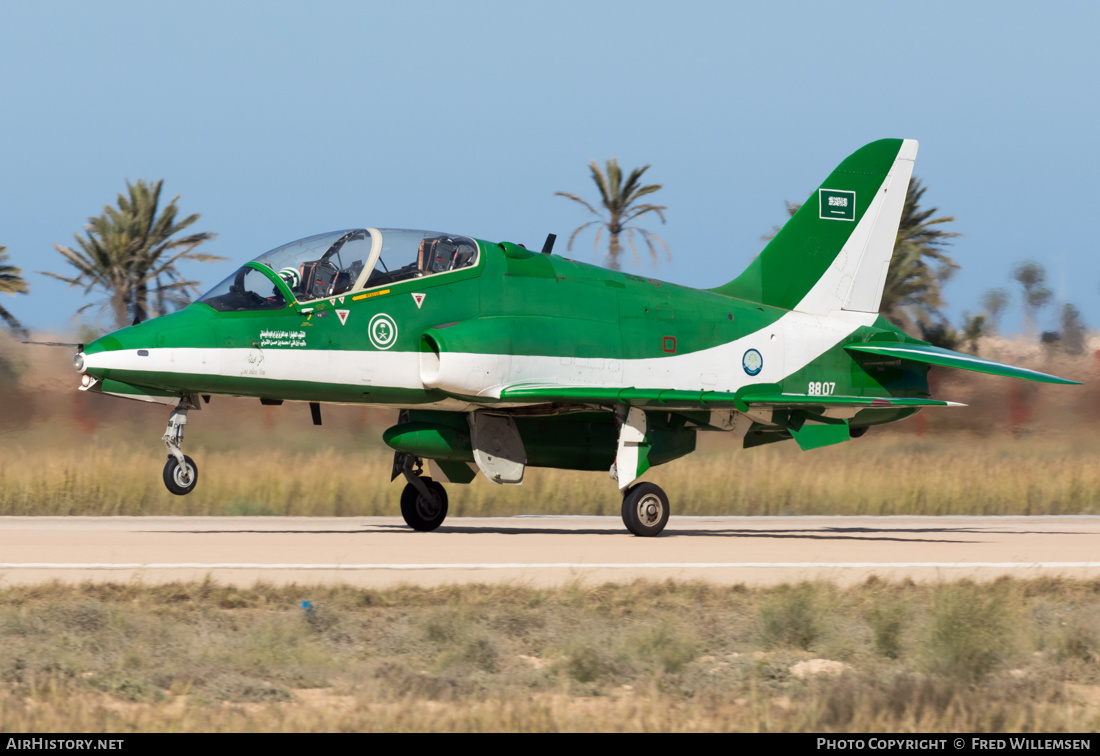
(822, 388)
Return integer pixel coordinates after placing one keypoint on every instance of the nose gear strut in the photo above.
(180, 472)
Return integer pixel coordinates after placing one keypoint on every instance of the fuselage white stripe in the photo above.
(787, 345)
(344, 367)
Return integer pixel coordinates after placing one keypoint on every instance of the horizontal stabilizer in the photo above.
(931, 355)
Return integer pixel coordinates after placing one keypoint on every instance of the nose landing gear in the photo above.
(180, 471)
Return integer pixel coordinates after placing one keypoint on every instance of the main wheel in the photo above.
(421, 513)
(645, 509)
(181, 480)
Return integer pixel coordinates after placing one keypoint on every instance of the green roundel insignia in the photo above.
(382, 331)
(752, 362)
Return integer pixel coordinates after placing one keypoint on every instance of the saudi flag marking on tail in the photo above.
(837, 205)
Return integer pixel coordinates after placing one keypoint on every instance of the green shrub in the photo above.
(970, 630)
(666, 647)
(887, 619)
(789, 617)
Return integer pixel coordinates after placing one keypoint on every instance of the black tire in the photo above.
(174, 476)
(645, 509)
(419, 513)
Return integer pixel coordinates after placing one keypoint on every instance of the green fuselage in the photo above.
(522, 332)
(513, 302)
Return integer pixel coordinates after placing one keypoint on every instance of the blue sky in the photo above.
(277, 120)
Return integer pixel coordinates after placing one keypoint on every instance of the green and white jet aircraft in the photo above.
(499, 358)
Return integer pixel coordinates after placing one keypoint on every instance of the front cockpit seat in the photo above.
(464, 258)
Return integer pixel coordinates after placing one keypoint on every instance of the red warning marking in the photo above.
(343, 315)
(669, 344)
(419, 299)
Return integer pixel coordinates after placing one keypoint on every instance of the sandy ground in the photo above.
(382, 551)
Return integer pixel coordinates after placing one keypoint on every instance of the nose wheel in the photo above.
(645, 509)
(179, 479)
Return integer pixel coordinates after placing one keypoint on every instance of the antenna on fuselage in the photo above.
(549, 244)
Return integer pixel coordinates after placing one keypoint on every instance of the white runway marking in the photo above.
(532, 565)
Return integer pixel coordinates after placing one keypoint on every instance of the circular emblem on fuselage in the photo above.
(382, 331)
(752, 362)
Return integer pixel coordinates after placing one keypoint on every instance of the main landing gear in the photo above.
(645, 505)
(645, 509)
(424, 501)
(180, 471)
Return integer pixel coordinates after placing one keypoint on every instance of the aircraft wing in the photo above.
(760, 395)
(931, 355)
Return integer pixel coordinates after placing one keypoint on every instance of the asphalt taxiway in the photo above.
(541, 551)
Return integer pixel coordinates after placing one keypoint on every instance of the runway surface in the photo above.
(540, 551)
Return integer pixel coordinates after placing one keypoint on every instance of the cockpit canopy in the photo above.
(339, 262)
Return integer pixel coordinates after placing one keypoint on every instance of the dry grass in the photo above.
(896, 476)
(1020, 448)
(641, 657)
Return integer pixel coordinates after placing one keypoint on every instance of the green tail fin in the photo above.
(834, 252)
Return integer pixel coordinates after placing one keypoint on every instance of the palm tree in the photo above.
(11, 282)
(994, 302)
(1073, 330)
(911, 298)
(974, 327)
(919, 266)
(130, 254)
(1032, 276)
(617, 199)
